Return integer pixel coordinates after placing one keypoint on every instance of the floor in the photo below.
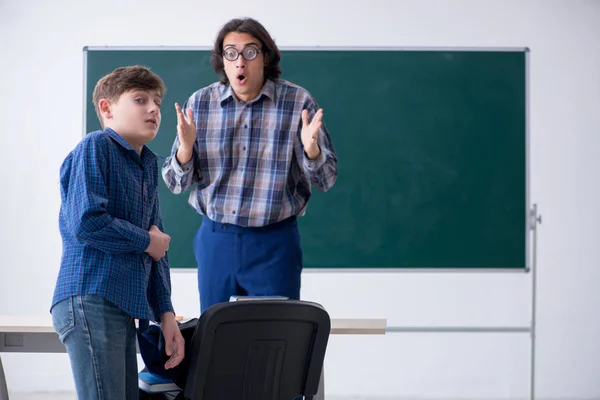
(43, 396)
(71, 396)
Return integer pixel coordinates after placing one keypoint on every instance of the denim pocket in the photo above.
(63, 319)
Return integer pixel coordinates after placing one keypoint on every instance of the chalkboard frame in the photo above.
(529, 209)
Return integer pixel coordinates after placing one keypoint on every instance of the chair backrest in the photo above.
(258, 350)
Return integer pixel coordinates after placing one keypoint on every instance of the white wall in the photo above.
(41, 120)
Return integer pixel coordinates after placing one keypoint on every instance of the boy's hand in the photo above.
(174, 342)
(186, 132)
(159, 243)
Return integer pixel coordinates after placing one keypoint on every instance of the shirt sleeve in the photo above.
(177, 177)
(159, 295)
(85, 201)
(321, 172)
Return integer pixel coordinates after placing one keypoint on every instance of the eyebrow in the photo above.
(247, 44)
(150, 92)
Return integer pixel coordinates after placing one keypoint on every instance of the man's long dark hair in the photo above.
(252, 28)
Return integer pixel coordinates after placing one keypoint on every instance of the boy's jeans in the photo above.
(101, 341)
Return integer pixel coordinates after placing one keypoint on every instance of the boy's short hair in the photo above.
(122, 79)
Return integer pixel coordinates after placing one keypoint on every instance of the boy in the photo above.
(114, 267)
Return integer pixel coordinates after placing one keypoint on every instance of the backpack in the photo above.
(151, 343)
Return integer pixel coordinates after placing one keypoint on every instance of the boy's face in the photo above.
(135, 115)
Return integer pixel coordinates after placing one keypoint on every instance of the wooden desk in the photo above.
(35, 334)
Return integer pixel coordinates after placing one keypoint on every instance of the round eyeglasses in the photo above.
(249, 53)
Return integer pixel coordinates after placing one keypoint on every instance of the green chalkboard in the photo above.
(432, 148)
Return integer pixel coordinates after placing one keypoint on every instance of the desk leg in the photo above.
(3, 387)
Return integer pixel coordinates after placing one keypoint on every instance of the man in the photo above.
(248, 151)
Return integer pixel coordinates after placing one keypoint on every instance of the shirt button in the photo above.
(244, 148)
(245, 126)
(233, 212)
(237, 191)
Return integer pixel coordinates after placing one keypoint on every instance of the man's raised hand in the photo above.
(186, 132)
(310, 133)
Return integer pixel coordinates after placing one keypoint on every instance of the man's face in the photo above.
(245, 76)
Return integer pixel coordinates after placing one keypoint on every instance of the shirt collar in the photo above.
(118, 138)
(267, 90)
(146, 152)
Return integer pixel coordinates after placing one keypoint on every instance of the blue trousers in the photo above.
(101, 342)
(235, 260)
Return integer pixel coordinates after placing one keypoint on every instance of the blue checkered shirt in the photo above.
(248, 166)
(109, 201)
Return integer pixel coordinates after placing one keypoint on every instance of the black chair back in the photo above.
(258, 350)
